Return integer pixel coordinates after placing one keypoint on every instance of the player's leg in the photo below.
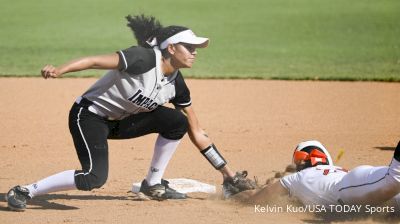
(91, 147)
(171, 125)
(18, 195)
(371, 185)
(89, 132)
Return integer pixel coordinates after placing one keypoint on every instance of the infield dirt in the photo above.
(255, 124)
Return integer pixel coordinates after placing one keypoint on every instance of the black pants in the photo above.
(90, 133)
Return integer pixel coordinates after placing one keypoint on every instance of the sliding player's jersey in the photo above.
(315, 185)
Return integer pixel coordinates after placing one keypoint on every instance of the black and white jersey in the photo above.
(138, 86)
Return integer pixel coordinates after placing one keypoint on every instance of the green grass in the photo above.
(266, 39)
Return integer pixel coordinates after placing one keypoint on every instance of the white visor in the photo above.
(318, 144)
(186, 36)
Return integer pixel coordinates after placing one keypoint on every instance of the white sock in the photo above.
(58, 182)
(163, 151)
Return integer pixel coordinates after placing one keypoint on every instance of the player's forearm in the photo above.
(196, 134)
(93, 62)
(199, 138)
(76, 65)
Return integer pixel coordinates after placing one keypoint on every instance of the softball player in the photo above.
(319, 182)
(127, 102)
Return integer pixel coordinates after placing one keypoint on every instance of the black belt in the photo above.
(85, 103)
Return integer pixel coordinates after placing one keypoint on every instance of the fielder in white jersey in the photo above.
(318, 182)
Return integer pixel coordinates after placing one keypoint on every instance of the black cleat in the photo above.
(17, 197)
(160, 191)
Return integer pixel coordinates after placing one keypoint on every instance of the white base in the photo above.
(184, 185)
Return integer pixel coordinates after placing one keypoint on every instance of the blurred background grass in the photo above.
(268, 39)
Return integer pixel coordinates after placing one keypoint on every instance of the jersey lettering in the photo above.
(153, 106)
(143, 101)
(133, 97)
(139, 99)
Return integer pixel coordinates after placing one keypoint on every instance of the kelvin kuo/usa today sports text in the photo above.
(324, 209)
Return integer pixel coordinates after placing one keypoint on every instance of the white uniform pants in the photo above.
(370, 185)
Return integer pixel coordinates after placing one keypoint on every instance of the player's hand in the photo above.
(237, 184)
(49, 71)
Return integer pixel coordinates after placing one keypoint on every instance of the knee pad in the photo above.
(89, 181)
(177, 127)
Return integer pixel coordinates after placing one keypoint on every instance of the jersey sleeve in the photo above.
(182, 94)
(291, 182)
(136, 60)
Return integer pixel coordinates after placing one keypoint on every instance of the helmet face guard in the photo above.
(309, 154)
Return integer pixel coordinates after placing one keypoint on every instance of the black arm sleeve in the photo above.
(182, 94)
(136, 60)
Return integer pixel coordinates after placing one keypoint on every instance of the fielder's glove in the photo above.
(237, 184)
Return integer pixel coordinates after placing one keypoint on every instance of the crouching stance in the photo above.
(127, 102)
(318, 182)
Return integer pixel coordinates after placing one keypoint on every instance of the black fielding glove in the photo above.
(237, 184)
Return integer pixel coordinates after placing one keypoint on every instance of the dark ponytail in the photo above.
(144, 28)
